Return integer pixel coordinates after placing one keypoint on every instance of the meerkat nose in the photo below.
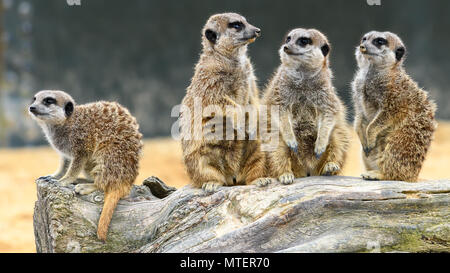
(362, 48)
(32, 109)
(258, 32)
(286, 49)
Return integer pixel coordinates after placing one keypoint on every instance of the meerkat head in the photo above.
(305, 48)
(51, 107)
(227, 33)
(382, 49)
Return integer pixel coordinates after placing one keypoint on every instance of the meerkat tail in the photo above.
(112, 197)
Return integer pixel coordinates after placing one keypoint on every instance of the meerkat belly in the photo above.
(306, 134)
(305, 128)
(226, 156)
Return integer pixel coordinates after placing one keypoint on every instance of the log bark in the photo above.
(317, 214)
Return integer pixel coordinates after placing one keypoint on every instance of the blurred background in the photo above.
(142, 54)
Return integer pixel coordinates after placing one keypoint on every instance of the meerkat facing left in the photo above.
(394, 118)
(315, 135)
(102, 139)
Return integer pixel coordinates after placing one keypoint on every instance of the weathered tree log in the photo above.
(318, 214)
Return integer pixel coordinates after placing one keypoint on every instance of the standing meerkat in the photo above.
(101, 139)
(223, 74)
(313, 129)
(394, 118)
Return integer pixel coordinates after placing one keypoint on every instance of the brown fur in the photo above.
(394, 118)
(223, 74)
(313, 129)
(102, 139)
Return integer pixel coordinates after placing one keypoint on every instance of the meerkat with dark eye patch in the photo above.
(313, 128)
(223, 74)
(394, 117)
(102, 139)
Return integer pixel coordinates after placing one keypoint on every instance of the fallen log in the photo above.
(316, 214)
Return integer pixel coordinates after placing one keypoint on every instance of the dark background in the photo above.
(142, 52)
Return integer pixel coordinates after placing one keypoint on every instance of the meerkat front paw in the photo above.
(293, 145)
(319, 149)
(368, 148)
(330, 169)
(211, 187)
(85, 189)
(372, 176)
(47, 178)
(287, 178)
(262, 182)
(66, 181)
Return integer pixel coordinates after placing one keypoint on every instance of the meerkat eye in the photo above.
(49, 101)
(236, 25)
(380, 42)
(288, 39)
(303, 41)
(364, 39)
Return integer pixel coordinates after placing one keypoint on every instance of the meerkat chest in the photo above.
(59, 140)
(368, 95)
(239, 84)
(371, 100)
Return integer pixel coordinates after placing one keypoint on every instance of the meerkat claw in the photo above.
(85, 189)
(293, 145)
(367, 150)
(287, 179)
(211, 187)
(262, 182)
(46, 178)
(66, 182)
(371, 176)
(318, 155)
(330, 168)
(318, 152)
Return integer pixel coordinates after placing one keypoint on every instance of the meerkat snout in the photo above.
(33, 110)
(362, 48)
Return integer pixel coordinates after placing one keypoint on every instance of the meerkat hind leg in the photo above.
(212, 186)
(287, 178)
(330, 168)
(88, 173)
(262, 182)
(372, 176)
(85, 189)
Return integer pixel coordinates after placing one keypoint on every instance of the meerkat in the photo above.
(223, 73)
(101, 139)
(394, 118)
(312, 119)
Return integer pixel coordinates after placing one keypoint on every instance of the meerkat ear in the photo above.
(68, 109)
(211, 36)
(325, 50)
(399, 53)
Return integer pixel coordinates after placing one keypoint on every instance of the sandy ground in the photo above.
(162, 158)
